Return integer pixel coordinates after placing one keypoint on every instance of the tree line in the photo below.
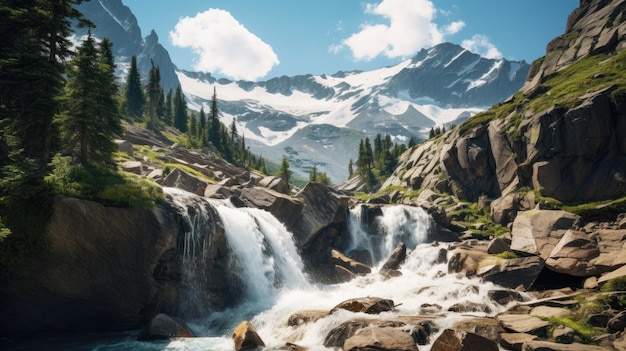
(375, 164)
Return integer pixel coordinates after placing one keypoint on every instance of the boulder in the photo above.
(573, 255)
(285, 208)
(504, 297)
(275, 183)
(396, 258)
(612, 244)
(246, 337)
(515, 341)
(451, 340)
(375, 338)
(135, 167)
(124, 146)
(523, 323)
(164, 327)
(537, 232)
(369, 305)
(355, 267)
(337, 336)
(305, 317)
(535, 345)
(216, 191)
(499, 245)
(564, 335)
(181, 179)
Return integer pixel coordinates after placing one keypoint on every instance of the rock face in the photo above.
(573, 154)
(107, 269)
(163, 327)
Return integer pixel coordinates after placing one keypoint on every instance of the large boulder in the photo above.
(181, 179)
(246, 337)
(369, 305)
(513, 273)
(105, 269)
(536, 345)
(374, 338)
(285, 208)
(275, 183)
(573, 255)
(164, 327)
(537, 232)
(451, 340)
(319, 227)
(356, 267)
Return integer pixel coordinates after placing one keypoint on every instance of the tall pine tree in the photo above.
(91, 120)
(135, 99)
(154, 92)
(180, 110)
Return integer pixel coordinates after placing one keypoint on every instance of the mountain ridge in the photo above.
(403, 100)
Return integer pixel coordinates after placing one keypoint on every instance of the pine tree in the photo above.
(214, 122)
(135, 99)
(284, 172)
(193, 127)
(92, 120)
(180, 110)
(154, 92)
(202, 129)
(35, 48)
(350, 169)
(110, 116)
(234, 136)
(313, 174)
(167, 111)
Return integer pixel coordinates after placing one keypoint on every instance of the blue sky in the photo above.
(262, 39)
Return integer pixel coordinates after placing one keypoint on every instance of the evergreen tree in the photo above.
(167, 111)
(203, 127)
(323, 178)
(214, 122)
(350, 169)
(154, 92)
(193, 127)
(284, 172)
(110, 116)
(431, 134)
(35, 48)
(234, 136)
(92, 120)
(180, 110)
(313, 174)
(135, 99)
(412, 141)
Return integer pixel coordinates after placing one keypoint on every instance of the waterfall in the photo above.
(265, 254)
(262, 254)
(398, 223)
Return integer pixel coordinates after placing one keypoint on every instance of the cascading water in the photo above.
(398, 223)
(270, 269)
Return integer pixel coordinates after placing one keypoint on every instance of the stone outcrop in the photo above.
(573, 154)
(106, 269)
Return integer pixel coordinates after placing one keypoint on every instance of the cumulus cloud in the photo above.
(410, 27)
(454, 27)
(481, 45)
(223, 45)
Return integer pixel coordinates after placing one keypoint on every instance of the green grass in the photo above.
(471, 215)
(576, 322)
(103, 185)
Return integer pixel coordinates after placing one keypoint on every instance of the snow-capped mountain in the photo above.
(116, 21)
(319, 120)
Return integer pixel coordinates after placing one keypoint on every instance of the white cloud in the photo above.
(410, 27)
(481, 45)
(224, 45)
(454, 27)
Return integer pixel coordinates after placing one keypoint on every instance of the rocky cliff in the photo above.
(563, 134)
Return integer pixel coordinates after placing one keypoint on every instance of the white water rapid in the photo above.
(268, 263)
